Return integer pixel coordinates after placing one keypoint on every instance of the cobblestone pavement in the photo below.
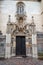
(21, 61)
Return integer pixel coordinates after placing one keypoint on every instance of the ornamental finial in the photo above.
(9, 18)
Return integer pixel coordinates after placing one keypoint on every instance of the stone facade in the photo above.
(2, 44)
(21, 28)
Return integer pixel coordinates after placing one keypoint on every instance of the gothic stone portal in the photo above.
(20, 46)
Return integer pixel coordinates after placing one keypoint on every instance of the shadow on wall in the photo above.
(39, 0)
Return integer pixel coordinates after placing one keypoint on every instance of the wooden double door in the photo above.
(20, 46)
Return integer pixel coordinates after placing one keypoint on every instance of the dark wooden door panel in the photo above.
(23, 46)
(20, 45)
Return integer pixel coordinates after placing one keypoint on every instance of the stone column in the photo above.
(8, 46)
(27, 47)
(14, 47)
(34, 46)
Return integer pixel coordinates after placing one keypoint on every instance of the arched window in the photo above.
(20, 8)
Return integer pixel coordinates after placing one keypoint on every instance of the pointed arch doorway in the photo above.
(20, 46)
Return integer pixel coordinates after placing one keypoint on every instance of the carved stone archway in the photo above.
(21, 28)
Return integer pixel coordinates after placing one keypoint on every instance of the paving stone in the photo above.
(21, 61)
